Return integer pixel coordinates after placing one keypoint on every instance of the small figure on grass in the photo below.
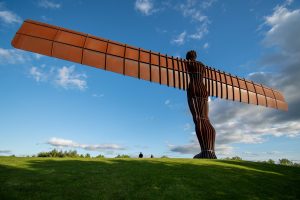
(140, 155)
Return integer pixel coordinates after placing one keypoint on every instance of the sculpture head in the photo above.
(191, 55)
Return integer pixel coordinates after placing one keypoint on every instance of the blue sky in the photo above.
(48, 103)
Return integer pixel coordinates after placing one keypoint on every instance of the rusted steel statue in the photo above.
(199, 80)
(198, 102)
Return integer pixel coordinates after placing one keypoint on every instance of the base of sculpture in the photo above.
(206, 155)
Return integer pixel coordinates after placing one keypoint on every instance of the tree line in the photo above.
(282, 161)
(74, 154)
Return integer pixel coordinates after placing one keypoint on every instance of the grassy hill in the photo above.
(67, 178)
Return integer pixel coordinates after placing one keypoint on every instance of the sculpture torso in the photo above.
(198, 102)
(196, 88)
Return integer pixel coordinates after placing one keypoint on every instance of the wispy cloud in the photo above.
(146, 7)
(195, 11)
(49, 4)
(205, 45)
(193, 148)
(13, 56)
(5, 151)
(45, 18)
(180, 39)
(59, 142)
(174, 105)
(255, 154)
(97, 95)
(187, 127)
(9, 17)
(241, 123)
(68, 78)
(207, 3)
(283, 32)
(37, 74)
(65, 77)
(167, 102)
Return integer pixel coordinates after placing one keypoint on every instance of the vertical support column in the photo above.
(197, 96)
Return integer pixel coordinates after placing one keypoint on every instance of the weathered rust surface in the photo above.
(100, 53)
(198, 102)
(139, 63)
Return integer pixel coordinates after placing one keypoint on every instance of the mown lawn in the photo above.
(68, 178)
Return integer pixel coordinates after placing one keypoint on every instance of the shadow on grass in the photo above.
(43, 178)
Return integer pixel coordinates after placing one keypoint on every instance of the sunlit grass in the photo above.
(84, 178)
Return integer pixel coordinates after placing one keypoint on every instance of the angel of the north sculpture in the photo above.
(200, 81)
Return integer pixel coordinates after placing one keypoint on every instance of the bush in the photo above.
(234, 158)
(100, 156)
(122, 156)
(270, 161)
(87, 155)
(285, 161)
(164, 157)
(296, 164)
(43, 154)
(59, 154)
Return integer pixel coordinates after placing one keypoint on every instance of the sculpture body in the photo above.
(198, 102)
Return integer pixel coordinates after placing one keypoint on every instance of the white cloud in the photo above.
(68, 78)
(285, 29)
(250, 124)
(13, 56)
(38, 56)
(9, 17)
(242, 123)
(49, 4)
(180, 39)
(5, 151)
(97, 95)
(193, 148)
(187, 127)
(37, 74)
(191, 9)
(167, 102)
(146, 7)
(174, 105)
(201, 31)
(208, 3)
(59, 142)
(206, 45)
(195, 14)
(224, 149)
(194, 10)
(255, 154)
(65, 77)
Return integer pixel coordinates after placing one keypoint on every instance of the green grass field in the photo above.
(67, 178)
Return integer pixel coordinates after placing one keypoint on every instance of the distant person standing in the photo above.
(140, 155)
(152, 156)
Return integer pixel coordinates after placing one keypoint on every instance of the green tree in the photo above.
(164, 157)
(100, 156)
(270, 161)
(285, 161)
(236, 158)
(122, 156)
(296, 164)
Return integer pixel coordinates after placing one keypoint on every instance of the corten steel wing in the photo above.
(120, 58)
